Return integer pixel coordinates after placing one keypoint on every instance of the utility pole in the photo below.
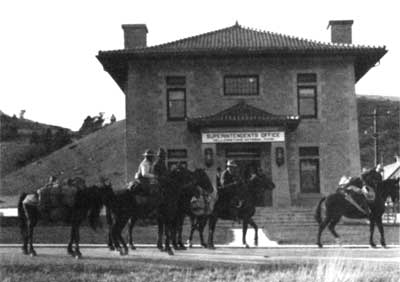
(376, 138)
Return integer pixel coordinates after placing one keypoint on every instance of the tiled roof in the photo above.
(243, 114)
(240, 41)
(237, 37)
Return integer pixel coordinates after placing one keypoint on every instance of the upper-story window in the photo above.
(307, 95)
(241, 85)
(176, 97)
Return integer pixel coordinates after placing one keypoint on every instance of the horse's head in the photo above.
(202, 180)
(105, 191)
(372, 178)
(392, 187)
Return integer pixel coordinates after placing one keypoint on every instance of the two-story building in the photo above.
(281, 103)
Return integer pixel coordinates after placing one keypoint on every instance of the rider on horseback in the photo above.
(145, 174)
(230, 178)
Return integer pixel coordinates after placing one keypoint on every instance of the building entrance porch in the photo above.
(250, 157)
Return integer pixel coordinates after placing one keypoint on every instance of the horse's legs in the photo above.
(211, 228)
(31, 225)
(321, 228)
(110, 243)
(371, 232)
(32, 221)
(254, 225)
(131, 224)
(168, 235)
(24, 233)
(78, 253)
(202, 224)
(70, 251)
(192, 229)
(331, 227)
(160, 234)
(177, 233)
(380, 228)
(244, 232)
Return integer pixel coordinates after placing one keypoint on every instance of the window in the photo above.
(175, 157)
(307, 95)
(309, 170)
(176, 97)
(243, 85)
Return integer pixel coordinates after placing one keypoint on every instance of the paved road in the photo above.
(224, 254)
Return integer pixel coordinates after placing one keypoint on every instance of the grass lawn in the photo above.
(350, 234)
(23, 268)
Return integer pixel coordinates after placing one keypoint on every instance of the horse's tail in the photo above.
(318, 216)
(21, 212)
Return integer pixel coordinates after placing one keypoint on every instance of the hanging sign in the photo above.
(243, 137)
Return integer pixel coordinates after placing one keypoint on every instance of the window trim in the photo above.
(169, 118)
(313, 156)
(315, 99)
(316, 160)
(256, 76)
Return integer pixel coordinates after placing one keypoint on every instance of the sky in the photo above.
(48, 49)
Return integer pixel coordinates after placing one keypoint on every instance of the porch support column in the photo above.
(280, 176)
(211, 170)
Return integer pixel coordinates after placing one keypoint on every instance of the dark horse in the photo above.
(135, 204)
(236, 201)
(337, 206)
(193, 203)
(87, 204)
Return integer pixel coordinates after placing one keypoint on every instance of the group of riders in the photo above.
(152, 171)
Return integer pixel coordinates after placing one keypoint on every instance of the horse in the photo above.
(192, 203)
(130, 205)
(236, 201)
(87, 203)
(337, 206)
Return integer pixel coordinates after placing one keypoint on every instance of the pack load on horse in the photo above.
(337, 204)
(357, 191)
(71, 202)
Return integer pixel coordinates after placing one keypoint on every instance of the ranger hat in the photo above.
(231, 163)
(148, 152)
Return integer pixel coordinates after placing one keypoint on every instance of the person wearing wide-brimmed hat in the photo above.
(145, 170)
(229, 175)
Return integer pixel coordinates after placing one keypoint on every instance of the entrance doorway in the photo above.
(250, 156)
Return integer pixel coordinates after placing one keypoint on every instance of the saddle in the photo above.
(53, 196)
(356, 196)
(143, 187)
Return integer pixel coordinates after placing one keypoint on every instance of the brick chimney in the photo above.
(341, 31)
(135, 35)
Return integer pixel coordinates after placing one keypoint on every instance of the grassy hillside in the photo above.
(100, 153)
(18, 145)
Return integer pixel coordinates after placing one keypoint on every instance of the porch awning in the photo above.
(243, 115)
